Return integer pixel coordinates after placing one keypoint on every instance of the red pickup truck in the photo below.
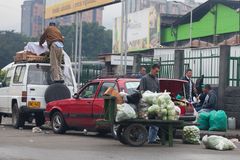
(87, 106)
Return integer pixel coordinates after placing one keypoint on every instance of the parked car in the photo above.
(87, 106)
(26, 88)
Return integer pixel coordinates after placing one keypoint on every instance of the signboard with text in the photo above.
(143, 30)
(57, 8)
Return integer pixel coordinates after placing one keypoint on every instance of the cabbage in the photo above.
(154, 109)
(150, 97)
(171, 118)
(172, 113)
(164, 112)
(165, 118)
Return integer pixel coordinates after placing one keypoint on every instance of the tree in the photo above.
(95, 39)
(10, 43)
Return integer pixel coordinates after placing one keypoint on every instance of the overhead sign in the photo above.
(116, 60)
(143, 30)
(56, 8)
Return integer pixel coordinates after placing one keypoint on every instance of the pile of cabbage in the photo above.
(191, 135)
(161, 106)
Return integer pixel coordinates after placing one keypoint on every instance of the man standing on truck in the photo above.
(55, 41)
(151, 83)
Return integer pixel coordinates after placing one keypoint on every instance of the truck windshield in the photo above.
(41, 75)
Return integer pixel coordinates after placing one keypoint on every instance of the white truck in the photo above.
(26, 89)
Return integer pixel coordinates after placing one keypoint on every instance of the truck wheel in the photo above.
(120, 136)
(58, 123)
(17, 117)
(135, 135)
(39, 117)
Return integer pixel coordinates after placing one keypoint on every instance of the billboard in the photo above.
(56, 8)
(143, 30)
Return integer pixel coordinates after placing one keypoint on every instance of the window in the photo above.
(89, 91)
(41, 75)
(7, 79)
(19, 74)
(131, 86)
(105, 86)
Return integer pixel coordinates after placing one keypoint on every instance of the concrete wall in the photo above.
(232, 103)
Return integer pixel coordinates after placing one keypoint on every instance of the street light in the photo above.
(191, 20)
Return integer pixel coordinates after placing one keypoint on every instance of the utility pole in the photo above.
(76, 42)
(122, 37)
(80, 49)
(126, 37)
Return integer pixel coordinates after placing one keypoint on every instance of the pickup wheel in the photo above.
(17, 117)
(39, 119)
(58, 123)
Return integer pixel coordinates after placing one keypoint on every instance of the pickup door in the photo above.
(98, 104)
(80, 112)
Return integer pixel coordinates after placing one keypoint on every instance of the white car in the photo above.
(26, 89)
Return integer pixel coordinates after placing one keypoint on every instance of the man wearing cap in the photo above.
(54, 40)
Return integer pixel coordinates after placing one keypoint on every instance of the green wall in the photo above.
(227, 22)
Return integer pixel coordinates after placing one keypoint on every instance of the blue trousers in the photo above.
(153, 133)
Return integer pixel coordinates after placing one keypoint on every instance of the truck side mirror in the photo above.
(76, 96)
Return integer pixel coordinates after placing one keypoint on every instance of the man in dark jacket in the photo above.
(189, 87)
(210, 102)
(150, 82)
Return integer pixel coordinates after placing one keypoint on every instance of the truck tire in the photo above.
(18, 119)
(135, 135)
(58, 123)
(57, 91)
(39, 118)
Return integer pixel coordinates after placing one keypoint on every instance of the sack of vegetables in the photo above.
(191, 135)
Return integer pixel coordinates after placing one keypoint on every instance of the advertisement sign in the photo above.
(143, 30)
(56, 8)
(116, 60)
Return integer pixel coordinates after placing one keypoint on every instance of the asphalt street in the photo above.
(24, 145)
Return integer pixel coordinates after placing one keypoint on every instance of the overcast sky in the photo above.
(10, 14)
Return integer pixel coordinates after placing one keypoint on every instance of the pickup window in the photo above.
(89, 91)
(105, 86)
(19, 74)
(41, 75)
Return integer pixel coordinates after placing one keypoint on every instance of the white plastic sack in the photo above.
(191, 135)
(150, 97)
(218, 143)
(35, 48)
(125, 112)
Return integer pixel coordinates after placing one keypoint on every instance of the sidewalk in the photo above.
(230, 134)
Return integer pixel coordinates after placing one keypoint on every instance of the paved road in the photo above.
(25, 145)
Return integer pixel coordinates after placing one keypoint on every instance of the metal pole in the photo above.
(76, 43)
(122, 35)
(126, 39)
(80, 49)
(44, 12)
(190, 32)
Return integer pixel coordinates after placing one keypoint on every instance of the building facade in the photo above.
(26, 20)
(33, 22)
(166, 7)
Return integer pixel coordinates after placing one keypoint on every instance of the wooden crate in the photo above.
(29, 57)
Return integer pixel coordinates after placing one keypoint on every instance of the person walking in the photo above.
(141, 73)
(54, 39)
(150, 82)
(189, 87)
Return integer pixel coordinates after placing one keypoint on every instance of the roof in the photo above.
(203, 9)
